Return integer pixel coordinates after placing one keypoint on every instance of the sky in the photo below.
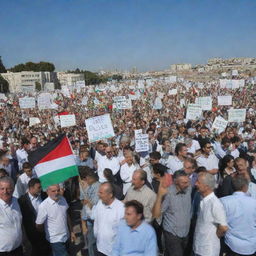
(122, 34)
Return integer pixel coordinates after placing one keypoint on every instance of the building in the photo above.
(26, 81)
(69, 78)
(180, 67)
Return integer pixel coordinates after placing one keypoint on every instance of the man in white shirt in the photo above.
(52, 214)
(22, 182)
(106, 214)
(175, 163)
(211, 222)
(22, 153)
(107, 161)
(10, 220)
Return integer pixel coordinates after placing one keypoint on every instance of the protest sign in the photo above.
(119, 98)
(236, 115)
(160, 95)
(234, 72)
(194, 112)
(27, 102)
(219, 124)
(171, 79)
(99, 127)
(34, 120)
(123, 104)
(49, 87)
(141, 141)
(225, 100)
(204, 102)
(44, 101)
(2, 96)
(84, 100)
(158, 103)
(182, 102)
(173, 92)
(56, 120)
(67, 120)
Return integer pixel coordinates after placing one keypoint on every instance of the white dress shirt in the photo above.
(10, 226)
(21, 186)
(174, 164)
(104, 162)
(53, 214)
(126, 173)
(194, 147)
(106, 220)
(210, 162)
(35, 201)
(211, 214)
(22, 157)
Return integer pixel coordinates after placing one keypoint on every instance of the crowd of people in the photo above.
(193, 192)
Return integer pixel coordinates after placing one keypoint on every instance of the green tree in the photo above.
(38, 86)
(4, 85)
(31, 66)
(2, 67)
(117, 77)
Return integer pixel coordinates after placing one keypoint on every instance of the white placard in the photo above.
(225, 100)
(141, 142)
(44, 101)
(84, 100)
(219, 124)
(236, 115)
(194, 112)
(56, 120)
(158, 103)
(27, 102)
(123, 104)
(119, 98)
(234, 72)
(171, 79)
(173, 92)
(67, 120)
(2, 96)
(204, 102)
(182, 102)
(49, 87)
(99, 127)
(34, 120)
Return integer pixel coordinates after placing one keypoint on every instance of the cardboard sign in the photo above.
(141, 141)
(204, 102)
(44, 101)
(194, 112)
(225, 100)
(67, 120)
(27, 102)
(236, 115)
(34, 120)
(173, 92)
(219, 124)
(99, 127)
(123, 104)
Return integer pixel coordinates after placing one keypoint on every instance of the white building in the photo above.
(69, 78)
(26, 80)
(180, 67)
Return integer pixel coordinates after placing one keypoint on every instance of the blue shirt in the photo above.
(241, 217)
(135, 242)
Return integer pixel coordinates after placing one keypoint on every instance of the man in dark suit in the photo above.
(29, 204)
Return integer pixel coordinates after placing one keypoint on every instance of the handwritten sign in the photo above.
(225, 100)
(67, 120)
(173, 92)
(236, 115)
(194, 112)
(123, 104)
(44, 101)
(34, 120)
(204, 102)
(99, 127)
(219, 124)
(141, 141)
(27, 102)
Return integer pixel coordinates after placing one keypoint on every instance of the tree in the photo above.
(4, 85)
(117, 77)
(38, 86)
(2, 67)
(36, 67)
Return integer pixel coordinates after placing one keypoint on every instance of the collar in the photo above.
(110, 206)
(240, 193)
(52, 202)
(205, 199)
(4, 204)
(140, 189)
(139, 228)
(33, 197)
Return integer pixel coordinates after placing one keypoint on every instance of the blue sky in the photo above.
(108, 34)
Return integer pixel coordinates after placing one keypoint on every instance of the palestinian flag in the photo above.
(54, 162)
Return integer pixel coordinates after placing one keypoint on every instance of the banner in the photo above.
(44, 101)
(67, 120)
(99, 127)
(204, 102)
(236, 115)
(141, 141)
(219, 124)
(194, 112)
(173, 92)
(34, 120)
(27, 102)
(225, 100)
